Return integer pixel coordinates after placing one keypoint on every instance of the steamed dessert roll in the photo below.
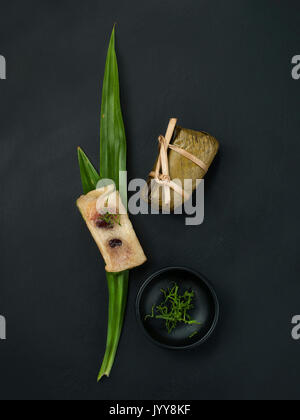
(109, 224)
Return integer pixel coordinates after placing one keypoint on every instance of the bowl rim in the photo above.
(202, 278)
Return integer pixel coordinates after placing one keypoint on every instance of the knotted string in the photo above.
(161, 174)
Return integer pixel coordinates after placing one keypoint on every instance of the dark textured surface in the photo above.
(219, 66)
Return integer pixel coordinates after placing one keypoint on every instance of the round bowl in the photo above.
(205, 311)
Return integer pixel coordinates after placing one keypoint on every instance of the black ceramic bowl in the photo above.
(206, 308)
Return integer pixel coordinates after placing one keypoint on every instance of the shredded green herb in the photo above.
(174, 309)
(111, 219)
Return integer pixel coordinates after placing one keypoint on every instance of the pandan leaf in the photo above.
(112, 161)
(118, 290)
(89, 175)
(113, 150)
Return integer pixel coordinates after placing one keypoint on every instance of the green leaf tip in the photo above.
(102, 376)
(113, 149)
(89, 175)
(113, 37)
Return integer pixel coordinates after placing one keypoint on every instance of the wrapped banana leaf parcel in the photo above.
(183, 155)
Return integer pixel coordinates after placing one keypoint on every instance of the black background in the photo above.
(220, 66)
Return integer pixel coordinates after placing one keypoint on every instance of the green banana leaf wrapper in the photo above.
(198, 143)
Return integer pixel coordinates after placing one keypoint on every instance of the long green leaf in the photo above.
(113, 150)
(112, 161)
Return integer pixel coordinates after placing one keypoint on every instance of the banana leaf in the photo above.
(198, 143)
(113, 151)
